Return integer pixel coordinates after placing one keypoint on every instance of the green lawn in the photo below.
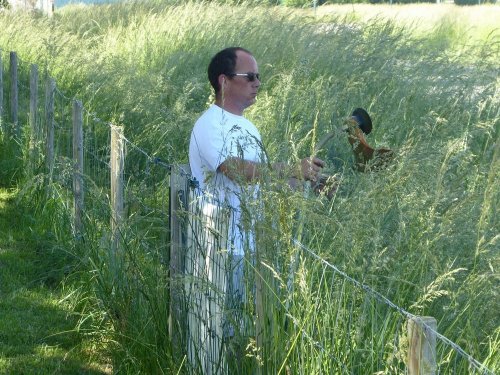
(37, 325)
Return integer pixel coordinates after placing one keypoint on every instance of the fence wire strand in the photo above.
(473, 362)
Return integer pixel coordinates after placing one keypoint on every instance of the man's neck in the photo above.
(229, 107)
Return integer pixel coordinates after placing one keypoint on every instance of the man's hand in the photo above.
(310, 168)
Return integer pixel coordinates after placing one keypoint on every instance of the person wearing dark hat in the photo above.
(366, 157)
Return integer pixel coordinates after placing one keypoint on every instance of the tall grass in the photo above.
(423, 232)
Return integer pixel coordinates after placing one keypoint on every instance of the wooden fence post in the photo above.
(117, 170)
(422, 345)
(178, 202)
(49, 111)
(14, 92)
(78, 166)
(33, 154)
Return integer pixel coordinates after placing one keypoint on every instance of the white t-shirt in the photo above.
(216, 136)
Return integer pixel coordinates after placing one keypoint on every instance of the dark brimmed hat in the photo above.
(363, 119)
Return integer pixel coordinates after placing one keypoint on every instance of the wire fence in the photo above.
(342, 325)
(277, 308)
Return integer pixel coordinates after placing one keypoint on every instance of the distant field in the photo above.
(60, 3)
(474, 22)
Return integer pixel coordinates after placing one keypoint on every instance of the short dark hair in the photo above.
(223, 62)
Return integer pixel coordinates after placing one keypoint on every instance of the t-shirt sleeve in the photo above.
(211, 144)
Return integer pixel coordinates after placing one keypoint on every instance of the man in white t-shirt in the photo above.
(225, 151)
(226, 154)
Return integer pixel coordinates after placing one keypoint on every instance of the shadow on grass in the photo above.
(10, 160)
(36, 328)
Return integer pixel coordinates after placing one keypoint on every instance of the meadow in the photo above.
(425, 232)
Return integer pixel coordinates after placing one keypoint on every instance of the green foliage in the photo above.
(313, 3)
(423, 232)
(9, 163)
(472, 2)
(400, 1)
(38, 321)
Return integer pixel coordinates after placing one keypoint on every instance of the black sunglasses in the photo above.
(250, 76)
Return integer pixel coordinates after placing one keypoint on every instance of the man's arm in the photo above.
(244, 171)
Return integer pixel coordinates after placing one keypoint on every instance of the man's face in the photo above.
(239, 91)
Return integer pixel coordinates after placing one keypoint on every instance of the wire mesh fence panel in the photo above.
(146, 187)
(63, 146)
(96, 176)
(214, 288)
(97, 145)
(206, 259)
(21, 127)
